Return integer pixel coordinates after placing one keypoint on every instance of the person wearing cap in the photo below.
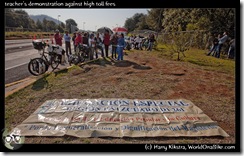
(67, 43)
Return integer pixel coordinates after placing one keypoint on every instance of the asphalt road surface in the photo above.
(16, 63)
(17, 59)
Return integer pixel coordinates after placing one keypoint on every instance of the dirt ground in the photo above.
(142, 75)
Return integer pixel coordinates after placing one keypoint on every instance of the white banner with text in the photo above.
(119, 118)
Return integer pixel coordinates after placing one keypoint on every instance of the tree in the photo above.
(44, 23)
(133, 23)
(23, 18)
(51, 25)
(10, 18)
(154, 18)
(142, 24)
(39, 24)
(129, 24)
(176, 18)
(69, 23)
(178, 42)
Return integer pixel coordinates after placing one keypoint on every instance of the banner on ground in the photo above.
(119, 118)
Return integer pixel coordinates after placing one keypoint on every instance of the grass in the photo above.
(120, 79)
(199, 57)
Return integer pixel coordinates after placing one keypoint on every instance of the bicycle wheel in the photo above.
(83, 56)
(55, 61)
(73, 59)
(37, 66)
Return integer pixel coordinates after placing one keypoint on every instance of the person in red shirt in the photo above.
(58, 38)
(106, 41)
(78, 40)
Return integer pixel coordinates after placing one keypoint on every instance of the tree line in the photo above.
(214, 20)
(19, 19)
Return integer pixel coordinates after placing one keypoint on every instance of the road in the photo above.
(17, 59)
(16, 63)
(17, 45)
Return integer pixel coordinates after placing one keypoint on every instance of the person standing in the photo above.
(114, 42)
(86, 44)
(67, 43)
(99, 43)
(222, 40)
(231, 51)
(78, 41)
(214, 45)
(92, 45)
(120, 46)
(58, 41)
(106, 41)
(151, 41)
(73, 39)
(58, 38)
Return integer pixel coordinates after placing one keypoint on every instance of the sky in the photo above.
(90, 19)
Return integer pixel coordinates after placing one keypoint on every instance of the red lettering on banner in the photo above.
(187, 118)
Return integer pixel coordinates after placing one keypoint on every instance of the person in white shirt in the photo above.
(137, 40)
(222, 40)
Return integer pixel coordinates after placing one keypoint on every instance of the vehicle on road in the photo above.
(40, 65)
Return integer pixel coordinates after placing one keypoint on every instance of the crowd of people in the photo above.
(218, 41)
(142, 43)
(95, 43)
(102, 41)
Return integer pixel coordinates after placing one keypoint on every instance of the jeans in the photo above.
(219, 50)
(231, 52)
(120, 53)
(68, 47)
(92, 49)
(106, 50)
(114, 51)
(150, 46)
(213, 49)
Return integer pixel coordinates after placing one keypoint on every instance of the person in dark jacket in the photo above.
(214, 45)
(99, 43)
(106, 41)
(114, 42)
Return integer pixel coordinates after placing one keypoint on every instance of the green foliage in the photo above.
(177, 42)
(18, 18)
(135, 22)
(198, 57)
(154, 18)
(70, 25)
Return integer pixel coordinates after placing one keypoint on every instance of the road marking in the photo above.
(16, 66)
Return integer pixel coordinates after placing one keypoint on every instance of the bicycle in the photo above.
(40, 65)
(81, 54)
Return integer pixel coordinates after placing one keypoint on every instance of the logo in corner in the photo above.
(13, 140)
